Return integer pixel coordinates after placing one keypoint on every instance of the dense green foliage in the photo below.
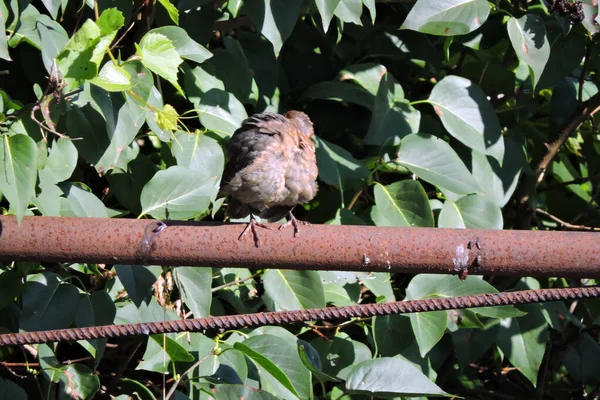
(431, 113)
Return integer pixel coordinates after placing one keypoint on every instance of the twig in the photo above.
(122, 36)
(566, 225)
(237, 281)
(530, 182)
(189, 370)
(355, 198)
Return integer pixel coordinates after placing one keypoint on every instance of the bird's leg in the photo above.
(295, 222)
(252, 226)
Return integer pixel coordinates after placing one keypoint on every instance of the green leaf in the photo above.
(281, 370)
(498, 182)
(425, 286)
(26, 29)
(109, 22)
(590, 13)
(429, 327)
(370, 4)
(82, 55)
(471, 212)
(161, 351)
(177, 193)
(390, 377)
(447, 18)
(127, 185)
(194, 284)
(230, 391)
(95, 310)
(434, 161)
(199, 152)
(338, 167)
(160, 56)
(367, 75)
(523, 341)
(339, 91)
(171, 10)
(3, 38)
(52, 6)
(468, 115)
(343, 216)
(379, 283)
(293, 290)
(402, 203)
(275, 19)
(310, 359)
(341, 354)
(138, 281)
(75, 60)
(220, 111)
(61, 162)
(81, 202)
(113, 78)
(123, 117)
(11, 287)
(79, 381)
(185, 46)
(53, 37)
(48, 303)
(11, 391)
(528, 37)
(349, 11)
(326, 9)
(393, 117)
(234, 7)
(18, 170)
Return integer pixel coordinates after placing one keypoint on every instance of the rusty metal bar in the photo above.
(320, 247)
(288, 317)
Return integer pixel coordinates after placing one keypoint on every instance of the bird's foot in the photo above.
(252, 226)
(295, 222)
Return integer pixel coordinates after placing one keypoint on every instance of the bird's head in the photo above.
(302, 122)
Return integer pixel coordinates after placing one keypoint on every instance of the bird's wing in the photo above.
(247, 143)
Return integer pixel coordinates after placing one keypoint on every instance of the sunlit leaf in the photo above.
(402, 203)
(160, 56)
(434, 161)
(326, 9)
(275, 19)
(468, 115)
(18, 170)
(177, 193)
(528, 37)
(390, 377)
(448, 17)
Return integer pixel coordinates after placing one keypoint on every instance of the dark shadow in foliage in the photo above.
(538, 35)
(87, 124)
(197, 20)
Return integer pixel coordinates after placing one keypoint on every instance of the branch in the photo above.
(530, 183)
(565, 224)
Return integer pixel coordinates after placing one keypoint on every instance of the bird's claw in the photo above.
(295, 222)
(252, 226)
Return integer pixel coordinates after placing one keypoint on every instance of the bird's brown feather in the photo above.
(271, 166)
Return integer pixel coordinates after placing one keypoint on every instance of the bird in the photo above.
(271, 168)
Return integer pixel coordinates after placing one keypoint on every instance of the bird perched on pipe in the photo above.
(271, 168)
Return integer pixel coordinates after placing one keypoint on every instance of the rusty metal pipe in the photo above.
(320, 247)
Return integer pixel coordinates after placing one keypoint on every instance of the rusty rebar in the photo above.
(288, 317)
(320, 247)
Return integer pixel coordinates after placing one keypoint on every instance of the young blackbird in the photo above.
(271, 168)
